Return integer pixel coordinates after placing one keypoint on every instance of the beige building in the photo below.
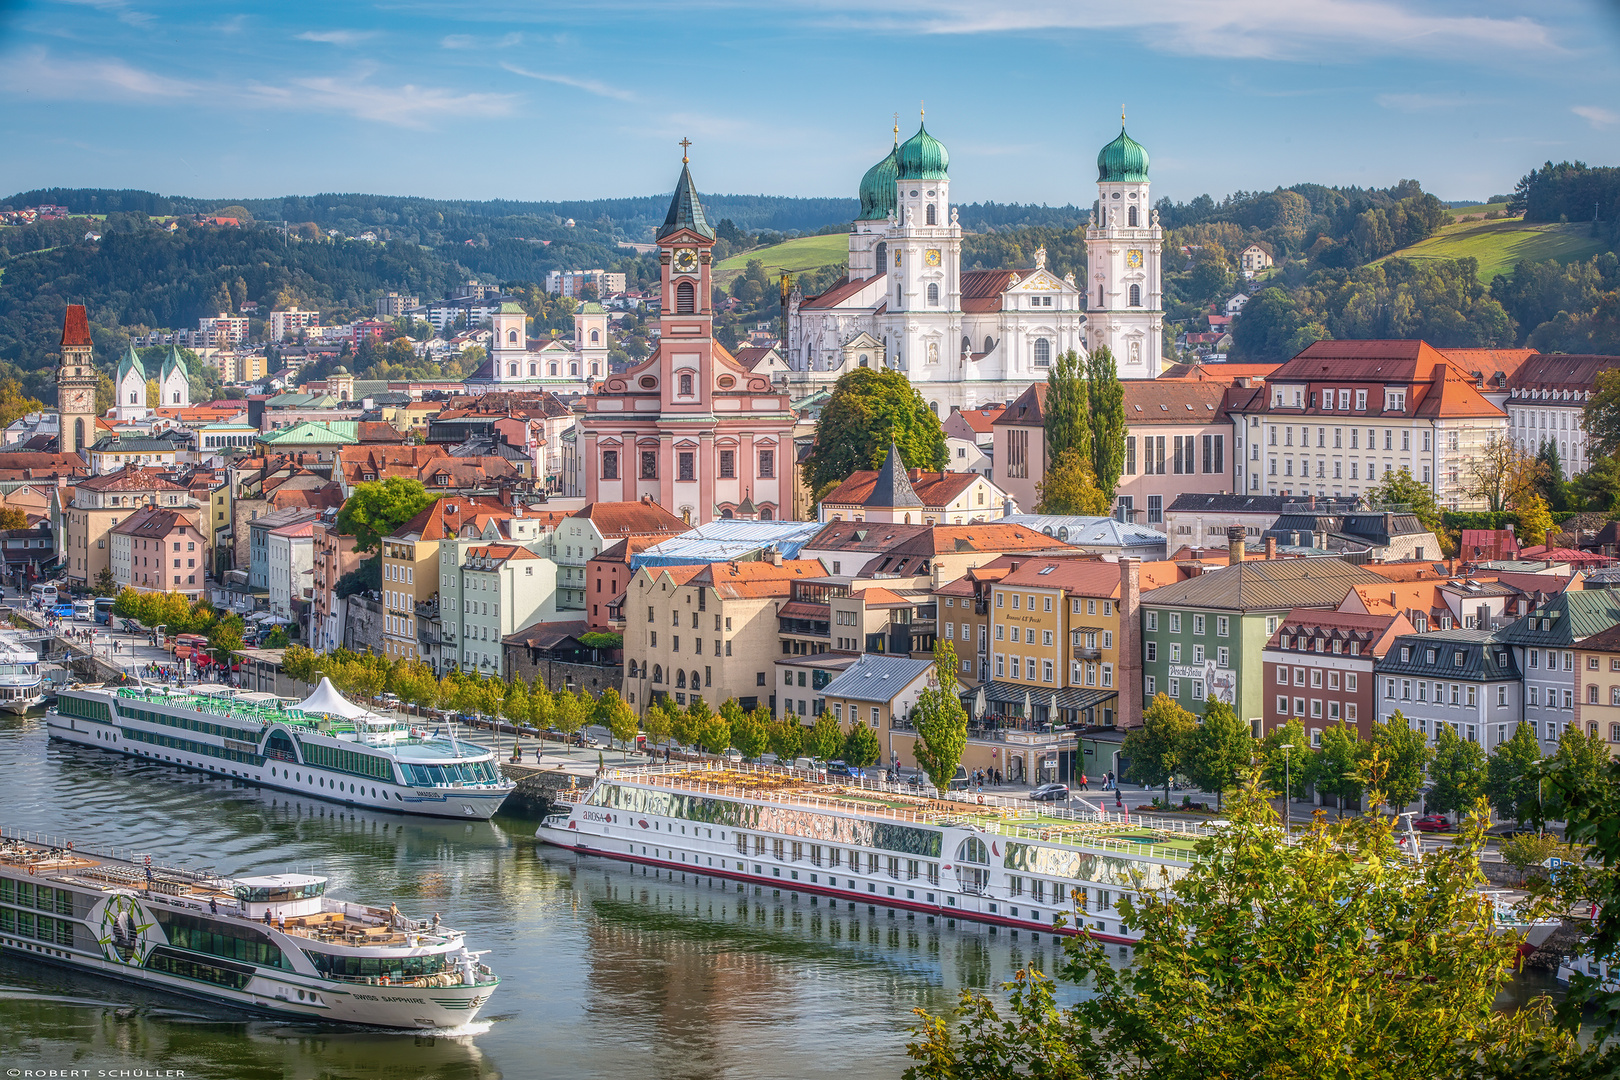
(707, 631)
(410, 568)
(334, 557)
(157, 549)
(101, 502)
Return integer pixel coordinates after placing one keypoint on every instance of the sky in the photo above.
(579, 99)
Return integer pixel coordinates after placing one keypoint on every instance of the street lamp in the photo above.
(1288, 789)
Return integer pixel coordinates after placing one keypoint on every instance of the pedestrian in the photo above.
(1084, 786)
(1119, 801)
(213, 906)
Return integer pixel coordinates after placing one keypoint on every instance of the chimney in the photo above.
(1310, 501)
(1236, 538)
(1195, 570)
(776, 556)
(1389, 523)
(1130, 648)
(1271, 547)
(1319, 539)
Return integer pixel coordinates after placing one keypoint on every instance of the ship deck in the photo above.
(1111, 833)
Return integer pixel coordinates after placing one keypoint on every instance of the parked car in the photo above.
(959, 782)
(731, 754)
(1051, 793)
(587, 742)
(1431, 823)
(841, 769)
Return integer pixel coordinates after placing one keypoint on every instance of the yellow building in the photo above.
(1597, 703)
(410, 567)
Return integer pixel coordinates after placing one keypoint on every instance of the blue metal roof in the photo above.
(876, 677)
(1080, 530)
(723, 540)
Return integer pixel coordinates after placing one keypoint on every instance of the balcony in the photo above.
(1084, 652)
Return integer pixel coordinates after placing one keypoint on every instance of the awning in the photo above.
(1003, 693)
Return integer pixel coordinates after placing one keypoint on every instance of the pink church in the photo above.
(689, 426)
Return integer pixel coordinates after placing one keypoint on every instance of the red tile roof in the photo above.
(936, 490)
(621, 519)
(75, 326)
(982, 289)
(981, 418)
(1176, 402)
(839, 293)
(132, 478)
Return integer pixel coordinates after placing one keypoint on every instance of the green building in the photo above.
(1204, 636)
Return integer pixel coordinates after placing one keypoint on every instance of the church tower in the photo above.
(868, 251)
(591, 339)
(174, 384)
(76, 385)
(1123, 247)
(509, 343)
(130, 388)
(924, 262)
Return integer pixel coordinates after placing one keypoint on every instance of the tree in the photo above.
(1535, 520)
(870, 409)
(542, 707)
(299, 663)
(1580, 758)
(13, 517)
(1105, 401)
(1602, 415)
(1273, 955)
(750, 734)
(1498, 470)
(378, 507)
(1338, 770)
(1528, 849)
(1598, 488)
(105, 584)
(1403, 752)
(516, 706)
(787, 738)
(613, 713)
(1510, 780)
(658, 724)
(825, 738)
(710, 730)
(1065, 409)
(1554, 486)
(1219, 750)
(861, 747)
(1399, 488)
(940, 721)
(1457, 773)
(275, 639)
(1157, 749)
(1070, 487)
(14, 405)
(568, 712)
(1287, 769)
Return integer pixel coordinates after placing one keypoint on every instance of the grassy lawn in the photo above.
(790, 256)
(1499, 244)
(1459, 212)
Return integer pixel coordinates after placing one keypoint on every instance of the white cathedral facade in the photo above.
(967, 338)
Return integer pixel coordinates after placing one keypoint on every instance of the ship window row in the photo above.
(173, 963)
(786, 850)
(43, 927)
(1088, 866)
(186, 746)
(84, 709)
(1057, 892)
(462, 772)
(28, 894)
(371, 967)
(348, 761)
(201, 726)
(229, 940)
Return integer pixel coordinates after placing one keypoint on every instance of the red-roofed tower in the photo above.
(76, 384)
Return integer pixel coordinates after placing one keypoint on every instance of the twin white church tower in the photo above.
(971, 337)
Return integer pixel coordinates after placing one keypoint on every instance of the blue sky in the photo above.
(565, 99)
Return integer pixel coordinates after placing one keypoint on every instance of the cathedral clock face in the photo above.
(932, 257)
(1133, 258)
(77, 400)
(686, 260)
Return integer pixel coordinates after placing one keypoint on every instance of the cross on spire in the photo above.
(1122, 112)
(922, 112)
(684, 143)
(897, 129)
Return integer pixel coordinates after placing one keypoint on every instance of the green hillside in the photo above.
(1463, 213)
(1501, 243)
(790, 256)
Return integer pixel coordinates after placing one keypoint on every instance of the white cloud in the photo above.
(590, 86)
(1420, 102)
(1597, 117)
(42, 76)
(119, 8)
(403, 106)
(336, 37)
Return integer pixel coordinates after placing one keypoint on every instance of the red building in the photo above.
(1319, 669)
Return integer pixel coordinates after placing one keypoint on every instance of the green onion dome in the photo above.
(923, 157)
(877, 188)
(1123, 160)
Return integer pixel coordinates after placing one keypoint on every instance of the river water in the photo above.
(608, 970)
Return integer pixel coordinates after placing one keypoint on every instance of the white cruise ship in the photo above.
(1015, 866)
(324, 746)
(21, 684)
(273, 944)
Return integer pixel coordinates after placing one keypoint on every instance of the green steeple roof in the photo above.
(923, 157)
(172, 362)
(131, 362)
(877, 186)
(1123, 160)
(685, 211)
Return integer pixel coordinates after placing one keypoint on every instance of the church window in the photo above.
(988, 343)
(685, 298)
(728, 464)
(595, 337)
(933, 294)
(1100, 301)
(882, 256)
(1043, 352)
(610, 464)
(864, 362)
(686, 385)
(511, 335)
(688, 465)
(933, 216)
(511, 369)
(1136, 296)
(649, 464)
(132, 397)
(1131, 217)
(933, 407)
(767, 464)
(596, 368)
(554, 367)
(534, 369)
(765, 514)
(573, 368)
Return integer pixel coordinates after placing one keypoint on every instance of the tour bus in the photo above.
(44, 595)
(104, 606)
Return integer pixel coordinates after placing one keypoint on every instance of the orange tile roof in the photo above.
(75, 326)
(621, 519)
(981, 418)
(1392, 598)
(1175, 402)
(754, 580)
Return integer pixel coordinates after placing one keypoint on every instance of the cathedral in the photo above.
(967, 338)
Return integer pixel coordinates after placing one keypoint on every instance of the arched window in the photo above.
(511, 335)
(933, 407)
(680, 679)
(658, 673)
(1136, 296)
(725, 514)
(573, 368)
(765, 514)
(988, 343)
(511, 369)
(1043, 352)
(933, 217)
(695, 681)
(595, 337)
(554, 367)
(1131, 217)
(534, 369)
(1100, 301)
(907, 520)
(933, 294)
(882, 256)
(686, 385)
(1614, 732)
(78, 433)
(596, 368)
(863, 360)
(132, 397)
(685, 298)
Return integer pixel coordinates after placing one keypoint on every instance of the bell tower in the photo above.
(76, 382)
(1124, 242)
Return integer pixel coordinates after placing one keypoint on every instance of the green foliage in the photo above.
(750, 734)
(1070, 487)
(1602, 414)
(1402, 753)
(861, 746)
(1219, 750)
(106, 584)
(613, 713)
(1105, 407)
(1065, 407)
(378, 507)
(276, 639)
(787, 737)
(1591, 808)
(300, 663)
(712, 731)
(1529, 849)
(870, 409)
(1510, 778)
(825, 738)
(940, 721)
(569, 711)
(602, 641)
(1317, 954)
(1291, 768)
(1598, 488)
(1161, 747)
(1581, 758)
(1400, 487)
(658, 724)
(1338, 767)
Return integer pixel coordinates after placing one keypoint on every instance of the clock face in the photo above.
(1133, 258)
(77, 400)
(686, 260)
(932, 258)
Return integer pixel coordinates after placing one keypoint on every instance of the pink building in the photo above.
(689, 427)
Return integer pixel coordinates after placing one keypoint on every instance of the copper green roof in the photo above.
(1123, 160)
(591, 307)
(1570, 617)
(172, 362)
(131, 362)
(512, 307)
(923, 157)
(685, 211)
(877, 187)
(311, 433)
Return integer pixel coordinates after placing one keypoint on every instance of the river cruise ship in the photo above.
(323, 746)
(21, 684)
(994, 862)
(274, 944)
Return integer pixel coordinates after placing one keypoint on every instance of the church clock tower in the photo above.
(76, 383)
(1124, 243)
